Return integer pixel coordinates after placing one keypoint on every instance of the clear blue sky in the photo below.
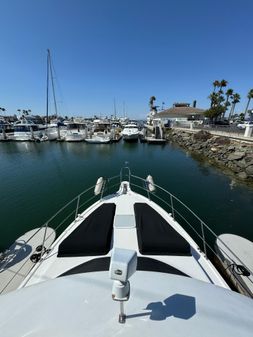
(128, 50)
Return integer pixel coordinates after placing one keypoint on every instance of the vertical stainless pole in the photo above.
(43, 242)
(172, 207)
(77, 206)
(122, 316)
(203, 237)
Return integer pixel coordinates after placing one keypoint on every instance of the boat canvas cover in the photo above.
(155, 235)
(93, 236)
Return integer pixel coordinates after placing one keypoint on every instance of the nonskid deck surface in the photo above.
(128, 231)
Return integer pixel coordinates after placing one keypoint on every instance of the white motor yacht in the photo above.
(25, 131)
(130, 132)
(124, 266)
(76, 132)
(99, 133)
(98, 138)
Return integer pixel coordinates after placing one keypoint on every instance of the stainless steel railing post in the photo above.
(77, 206)
(203, 238)
(172, 207)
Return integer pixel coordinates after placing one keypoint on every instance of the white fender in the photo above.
(99, 185)
(150, 183)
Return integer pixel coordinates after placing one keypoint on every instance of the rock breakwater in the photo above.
(235, 156)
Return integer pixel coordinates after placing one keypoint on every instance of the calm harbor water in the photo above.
(39, 178)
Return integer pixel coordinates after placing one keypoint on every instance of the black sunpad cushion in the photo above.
(93, 236)
(143, 263)
(155, 235)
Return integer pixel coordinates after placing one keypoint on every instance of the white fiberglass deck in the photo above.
(124, 236)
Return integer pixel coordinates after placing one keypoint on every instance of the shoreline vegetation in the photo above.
(234, 157)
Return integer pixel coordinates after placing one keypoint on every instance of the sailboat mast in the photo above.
(115, 111)
(48, 54)
(124, 109)
(52, 82)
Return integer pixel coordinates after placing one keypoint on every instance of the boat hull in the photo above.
(131, 138)
(151, 140)
(234, 253)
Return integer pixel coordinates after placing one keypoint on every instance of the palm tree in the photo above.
(229, 94)
(151, 101)
(223, 84)
(250, 95)
(151, 104)
(213, 98)
(216, 84)
(236, 99)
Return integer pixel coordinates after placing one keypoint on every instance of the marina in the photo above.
(126, 165)
(37, 178)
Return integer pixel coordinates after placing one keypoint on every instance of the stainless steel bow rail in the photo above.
(196, 227)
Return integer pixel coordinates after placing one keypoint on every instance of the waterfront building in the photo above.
(181, 112)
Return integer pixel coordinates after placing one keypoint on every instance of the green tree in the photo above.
(216, 84)
(217, 105)
(250, 95)
(214, 112)
(213, 98)
(228, 94)
(236, 99)
(151, 104)
(223, 84)
(241, 116)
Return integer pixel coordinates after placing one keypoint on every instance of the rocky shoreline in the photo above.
(231, 155)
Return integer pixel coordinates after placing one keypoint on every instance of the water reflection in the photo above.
(86, 150)
(77, 148)
(232, 184)
(47, 174)
(130, 146)
(204, 169)
(21, 147)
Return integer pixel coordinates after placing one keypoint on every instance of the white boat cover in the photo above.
(160, 305)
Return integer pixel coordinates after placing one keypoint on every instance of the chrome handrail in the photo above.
(188, 209)
(203, 226)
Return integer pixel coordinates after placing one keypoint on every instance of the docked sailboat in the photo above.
(123, 241)
(52, 130)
